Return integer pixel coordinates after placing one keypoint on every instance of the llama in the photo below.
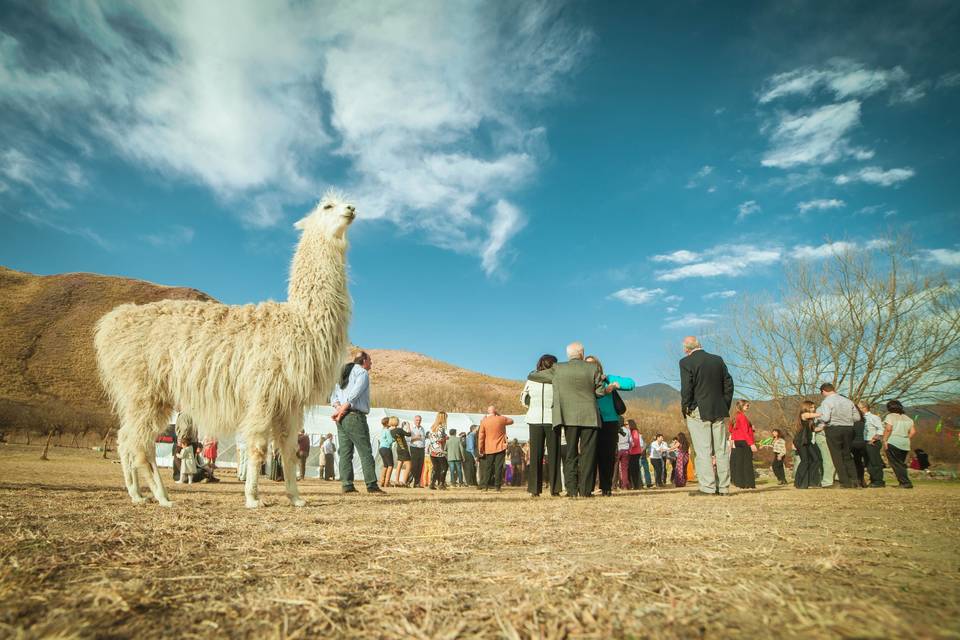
(247, 369)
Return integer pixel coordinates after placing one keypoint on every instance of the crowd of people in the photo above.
(580, 441)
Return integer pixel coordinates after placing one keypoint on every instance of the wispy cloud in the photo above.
(825, 250)
(696, 178)
(424, 107)
(830, 249)
(176, 236)
(679, 257)
(877, 176)
(844, 78)
(949, 80)
(722, 261)
(50, 221)
(691, 321)
(945, 257)
(746, 209)
(637, 295)
(729, 293)
(821, 204)
(815, 137)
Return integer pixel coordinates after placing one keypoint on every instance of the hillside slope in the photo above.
(47, 360)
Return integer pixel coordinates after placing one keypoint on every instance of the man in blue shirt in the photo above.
(470, 457)
(351, 404)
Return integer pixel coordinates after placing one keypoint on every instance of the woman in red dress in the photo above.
(744, 444)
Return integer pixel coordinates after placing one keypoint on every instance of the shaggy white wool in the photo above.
(247, 369)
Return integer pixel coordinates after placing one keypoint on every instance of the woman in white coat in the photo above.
(538, 398)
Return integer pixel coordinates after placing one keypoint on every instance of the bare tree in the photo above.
(874, 323)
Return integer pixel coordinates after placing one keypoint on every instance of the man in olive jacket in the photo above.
(576, 386)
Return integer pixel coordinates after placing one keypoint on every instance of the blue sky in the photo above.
(526, 174)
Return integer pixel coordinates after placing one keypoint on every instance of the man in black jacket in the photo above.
(706, 391)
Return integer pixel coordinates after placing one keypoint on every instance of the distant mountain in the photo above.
(657, 394)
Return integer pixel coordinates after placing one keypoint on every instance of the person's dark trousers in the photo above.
(302, 458)
(898, 461)
(516, 475)
(839, 440)
(607, 455)
(860, 461)
(469, 469)
(353, 433)
(328, 470)
(659, 471)
(439, 474)
(416, 465)
(544, 437)
(875, 464)
(633, 471)
(491, 470)
(778, 470)
(580, 465)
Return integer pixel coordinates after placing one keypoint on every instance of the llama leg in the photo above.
(149, 455)
(288, 454)
(130, 477)
(256, 450)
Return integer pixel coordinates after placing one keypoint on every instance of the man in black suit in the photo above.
(706, 391)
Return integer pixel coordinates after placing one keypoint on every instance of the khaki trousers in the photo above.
(700, 433)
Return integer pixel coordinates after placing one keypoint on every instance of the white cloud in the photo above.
(673, 299)
(815, 137)
(877, 175)
(878, 243)
(702, 173)
(724, 261)
(720, 294)
(177, 236)
(949, 80)
(746, 209)
(507, 221)
(945, 257)
(679, 257)
(637, 295)
(421, 106)
(821, 204)
(825, 250)
(842, 77)
(691, 321)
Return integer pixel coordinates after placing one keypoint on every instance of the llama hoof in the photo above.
(138, 499)
(254, 504)
(165, 503)
(298, 502)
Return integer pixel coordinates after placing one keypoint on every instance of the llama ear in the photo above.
(300, 224)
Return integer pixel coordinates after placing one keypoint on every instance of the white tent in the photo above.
(317, 424)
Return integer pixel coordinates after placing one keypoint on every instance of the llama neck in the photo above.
(318, 278)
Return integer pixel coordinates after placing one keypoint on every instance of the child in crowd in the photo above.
(779, 446)
(188, 462)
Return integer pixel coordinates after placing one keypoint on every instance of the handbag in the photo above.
(618, 404)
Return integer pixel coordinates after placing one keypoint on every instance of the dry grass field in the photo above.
(77, 559)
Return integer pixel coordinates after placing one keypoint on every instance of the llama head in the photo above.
(331, 217)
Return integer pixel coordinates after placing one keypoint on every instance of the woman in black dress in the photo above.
(809, 471)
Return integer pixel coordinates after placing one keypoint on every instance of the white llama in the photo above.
(235, 369)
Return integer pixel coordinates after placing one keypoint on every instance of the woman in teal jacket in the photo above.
(609, 428)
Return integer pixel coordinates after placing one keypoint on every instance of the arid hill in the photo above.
(48, 371)
(47, 362)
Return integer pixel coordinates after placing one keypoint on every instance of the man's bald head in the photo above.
(691, 344)
(575, 351)
(491, 410)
